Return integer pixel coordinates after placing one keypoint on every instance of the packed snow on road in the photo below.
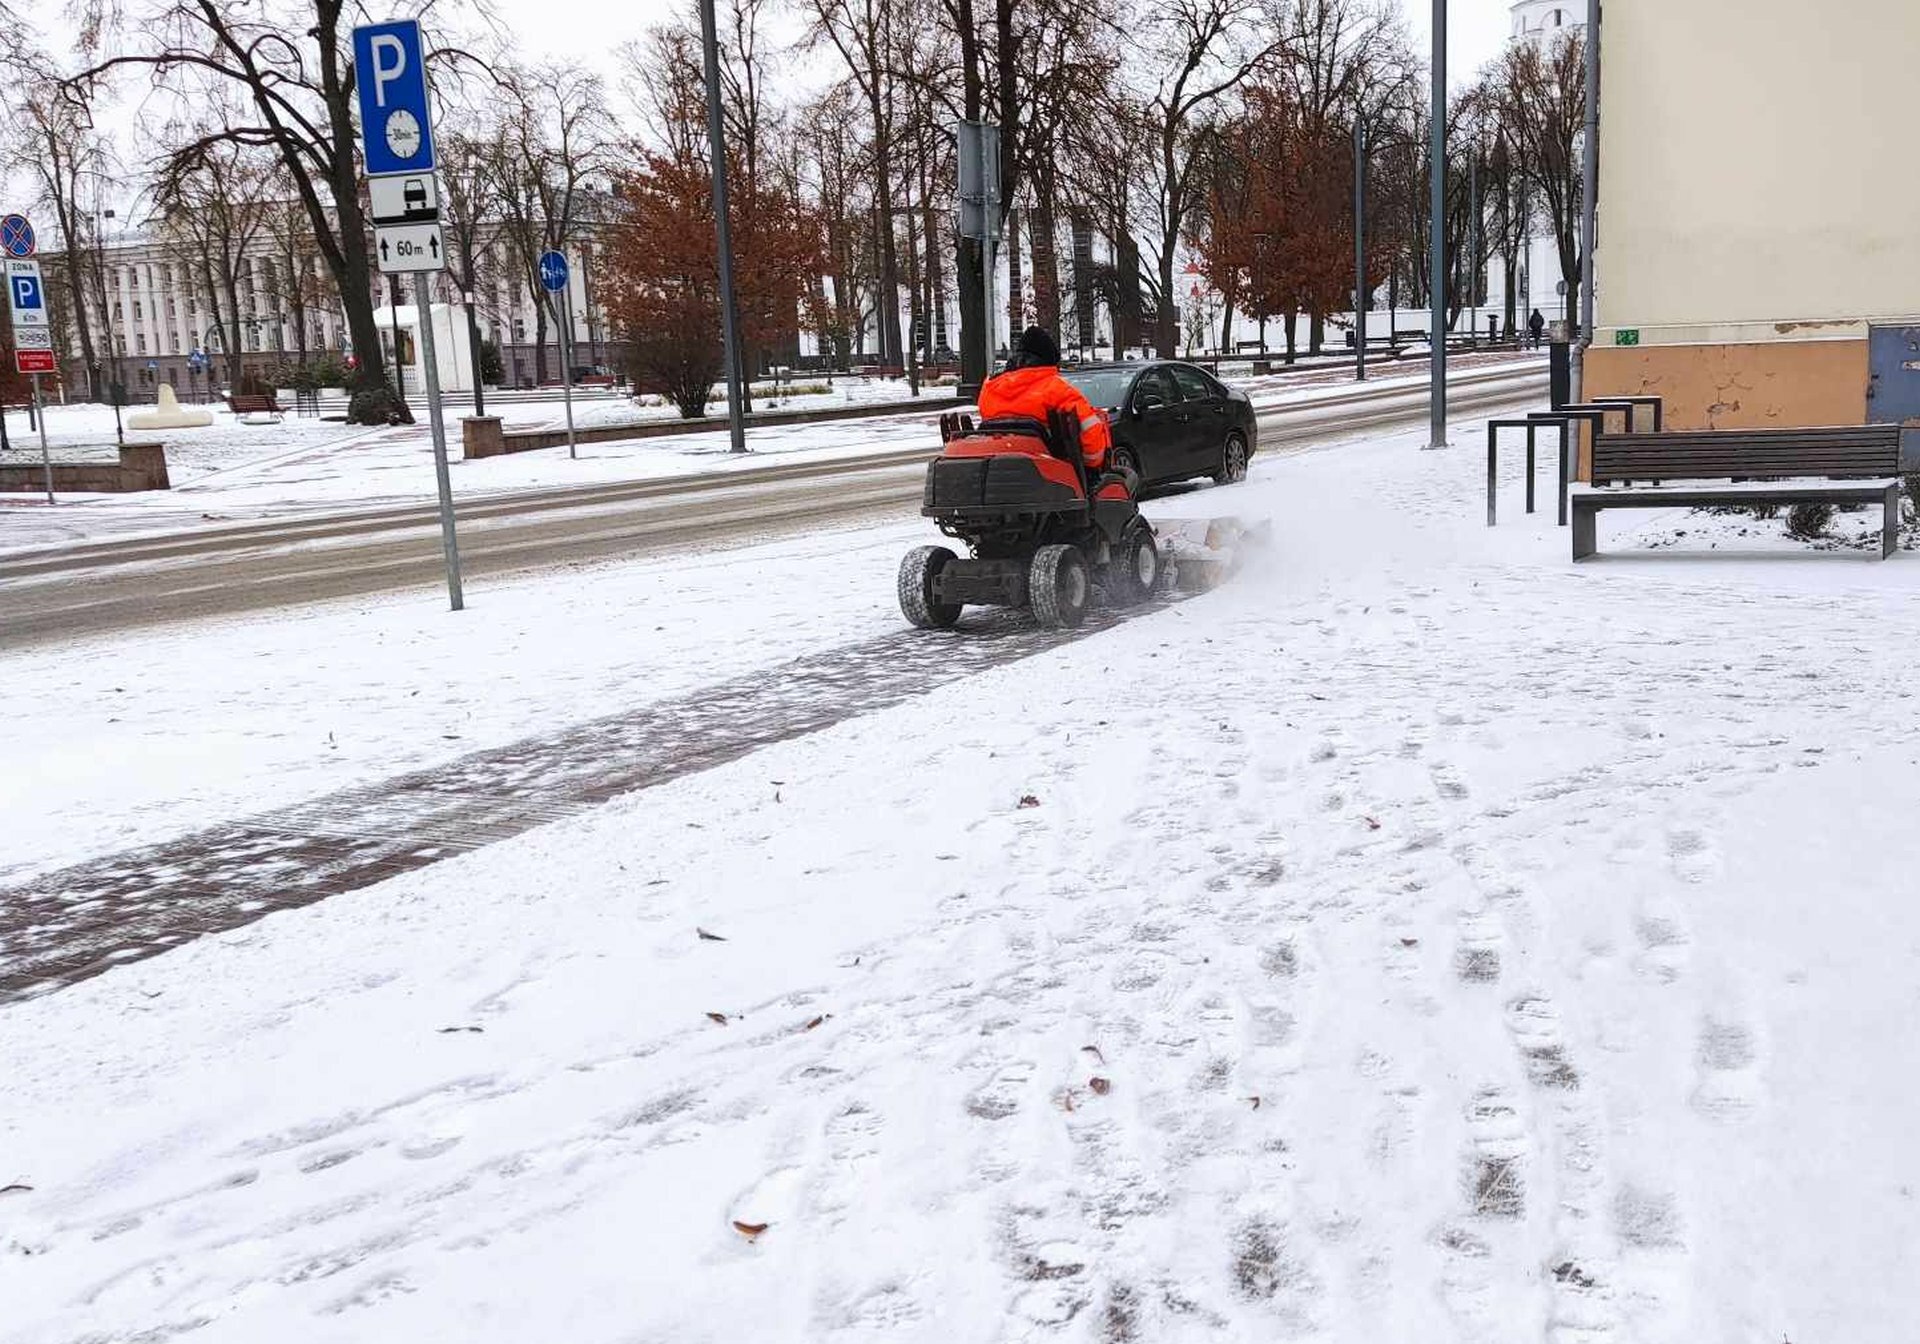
(1417, 937)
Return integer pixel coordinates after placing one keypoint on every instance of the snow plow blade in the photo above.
(1203, 553)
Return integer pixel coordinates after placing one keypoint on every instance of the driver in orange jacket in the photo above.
(1031, 385)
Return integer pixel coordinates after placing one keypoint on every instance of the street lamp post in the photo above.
(1589, 190)
(1359, 248)
(1260, 284)
(723, 231)
(1437, 234)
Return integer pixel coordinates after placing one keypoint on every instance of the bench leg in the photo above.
(1532, 434)
(1585, 534)
(1492, 479)
(1566, 471)
(1890, 524)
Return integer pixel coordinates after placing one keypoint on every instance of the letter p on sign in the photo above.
(389, 63)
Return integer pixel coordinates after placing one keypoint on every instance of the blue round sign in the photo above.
(553, 272)
(197, 360)
(16, 236)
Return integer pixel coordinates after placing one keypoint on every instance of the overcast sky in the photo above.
(590, 31)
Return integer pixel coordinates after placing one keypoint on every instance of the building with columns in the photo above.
(158, 313)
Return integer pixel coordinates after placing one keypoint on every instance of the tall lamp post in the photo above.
(723, 232)
(1437, 232)
(1260, 240)
(1359, 247)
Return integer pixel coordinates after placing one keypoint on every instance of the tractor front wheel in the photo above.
(1059, 587)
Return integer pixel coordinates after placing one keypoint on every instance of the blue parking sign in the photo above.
(396, 126)
(27, 295)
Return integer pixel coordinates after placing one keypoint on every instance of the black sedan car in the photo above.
(1171, 421)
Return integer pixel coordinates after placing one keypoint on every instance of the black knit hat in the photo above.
(1037, 348)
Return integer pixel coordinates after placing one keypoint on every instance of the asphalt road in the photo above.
(77, 591)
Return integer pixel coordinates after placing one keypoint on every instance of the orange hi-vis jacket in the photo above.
(1038, 390)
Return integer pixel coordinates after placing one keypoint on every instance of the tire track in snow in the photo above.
(77, 922)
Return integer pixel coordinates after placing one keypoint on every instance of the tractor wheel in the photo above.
(1134, 571)
(1059, 586)
(918, 569)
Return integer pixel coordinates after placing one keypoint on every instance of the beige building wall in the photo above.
(1759, 204)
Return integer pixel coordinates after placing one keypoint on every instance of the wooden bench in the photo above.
(1840, 465)
(254, 403)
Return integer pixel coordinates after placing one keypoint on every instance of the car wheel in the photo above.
(1233, 461)
(1058, 587)
(1124, 460)
(918, 569)
(1134, 571)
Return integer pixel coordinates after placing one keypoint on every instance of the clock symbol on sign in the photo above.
(403, 134)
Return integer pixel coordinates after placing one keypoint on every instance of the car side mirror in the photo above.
(1148, 401)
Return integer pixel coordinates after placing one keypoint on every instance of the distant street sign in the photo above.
(553, 272)
(16, 236)
(34, 361)
(411, 198)
(1627, 336)
(396, 124)
(409, 247)
(197, 360)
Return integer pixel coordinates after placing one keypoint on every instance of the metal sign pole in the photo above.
(46, 457)
(449, 543)
(566, 359)
(1437, 234)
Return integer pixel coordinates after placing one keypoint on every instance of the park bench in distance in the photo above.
(1840, 465)
(254, 403)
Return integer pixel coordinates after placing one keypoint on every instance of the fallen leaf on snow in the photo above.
(1255, 1101)
(751, 1231)
(1409, 942)
(817, 1021)
(706, 937)
(1100, 1086)
(15, 1189)
(1373, 823)
(1094, 1050)
(721, 1018)
(448, 1031)
(1028, 800)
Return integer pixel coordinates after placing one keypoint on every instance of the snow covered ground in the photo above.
(1418, 938)
(242, 472)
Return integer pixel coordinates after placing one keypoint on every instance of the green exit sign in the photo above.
(1627, 336)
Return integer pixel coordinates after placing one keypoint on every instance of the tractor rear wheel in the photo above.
(918, 570)
(1059, 587)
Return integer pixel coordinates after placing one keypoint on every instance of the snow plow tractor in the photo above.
(1041, 530)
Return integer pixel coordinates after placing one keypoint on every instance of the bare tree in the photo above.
(1203, 51)
(211, 216)
(468, 194)
(555, 138)
(285, 69)
(1541, 94)
(57, 150)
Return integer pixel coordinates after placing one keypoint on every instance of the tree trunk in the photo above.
(1042, 230)
(539, 338)
(1291, 316)
(1226, 326)
(1167, 327)
(1316, 329)
(1084, 318)
(889, 261)
(474, 354)
(1016, 296)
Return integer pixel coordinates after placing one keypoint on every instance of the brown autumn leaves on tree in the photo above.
(663, 292)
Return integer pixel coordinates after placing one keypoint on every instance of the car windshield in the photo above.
(1102, 387)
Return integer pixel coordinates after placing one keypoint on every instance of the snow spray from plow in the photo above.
(1200, 554)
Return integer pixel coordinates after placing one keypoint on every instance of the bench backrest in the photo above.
(242, 402)
(1748, 454)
